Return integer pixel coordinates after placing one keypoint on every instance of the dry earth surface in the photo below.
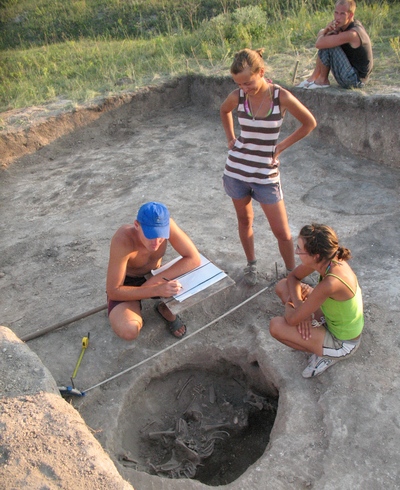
(60, 206)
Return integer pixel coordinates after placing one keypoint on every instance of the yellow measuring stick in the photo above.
(85, 343)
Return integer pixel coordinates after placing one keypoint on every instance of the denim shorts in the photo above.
(262, 193)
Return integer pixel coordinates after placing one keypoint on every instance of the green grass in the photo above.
(78, 50)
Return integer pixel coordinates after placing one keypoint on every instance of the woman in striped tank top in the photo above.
(252, 166)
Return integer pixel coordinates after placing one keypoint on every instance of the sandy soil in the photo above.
(60, 207)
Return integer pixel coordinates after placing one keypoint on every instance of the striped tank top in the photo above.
(250, 160)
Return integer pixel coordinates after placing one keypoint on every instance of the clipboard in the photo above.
(197, 285)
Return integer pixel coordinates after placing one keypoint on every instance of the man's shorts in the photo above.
(129, 281)
(262, 193)
(333, 347)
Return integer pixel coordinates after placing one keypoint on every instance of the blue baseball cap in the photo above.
(154, 220)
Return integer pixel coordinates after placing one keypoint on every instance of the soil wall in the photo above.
(364, 125)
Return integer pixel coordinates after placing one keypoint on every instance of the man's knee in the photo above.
(127, 330)
(325, 56)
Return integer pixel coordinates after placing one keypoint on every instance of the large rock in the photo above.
(44, 441)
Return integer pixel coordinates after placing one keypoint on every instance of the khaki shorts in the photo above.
(334, 347)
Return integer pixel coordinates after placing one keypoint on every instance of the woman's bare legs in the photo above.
(290, 336)
(278, 221)
(245, 217)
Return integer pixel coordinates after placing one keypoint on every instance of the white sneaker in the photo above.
(317, 365)
(312, 360)
(313, 86)
(303, 84)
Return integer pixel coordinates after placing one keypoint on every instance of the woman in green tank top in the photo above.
(326, 320)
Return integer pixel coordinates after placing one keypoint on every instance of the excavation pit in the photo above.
(211, 426)
(62, 204)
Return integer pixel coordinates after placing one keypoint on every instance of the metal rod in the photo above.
(295, 71)
(43, 331)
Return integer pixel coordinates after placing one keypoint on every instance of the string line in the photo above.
(187, 337)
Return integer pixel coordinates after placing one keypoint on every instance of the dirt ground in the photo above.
(60, 208)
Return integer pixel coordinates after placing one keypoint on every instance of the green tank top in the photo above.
(344, 319)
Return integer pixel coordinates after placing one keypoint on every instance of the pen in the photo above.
(169, 280)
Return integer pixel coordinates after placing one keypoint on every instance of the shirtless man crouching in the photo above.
(135, 250)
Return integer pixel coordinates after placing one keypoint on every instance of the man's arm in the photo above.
(184, 246)
(331, 40)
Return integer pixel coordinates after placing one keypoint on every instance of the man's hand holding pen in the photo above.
(170, 287)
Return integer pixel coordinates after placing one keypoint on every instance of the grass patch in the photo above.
(79, 50)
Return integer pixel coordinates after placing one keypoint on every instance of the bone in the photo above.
(209, 427)
(254, 400)
(188, 453)
(156, 435)
(147, 426)
(183, 387)
(212, 394)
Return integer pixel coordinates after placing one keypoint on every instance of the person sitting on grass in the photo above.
(344, 48)
(327, 320)
(137, 249)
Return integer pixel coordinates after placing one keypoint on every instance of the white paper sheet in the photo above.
(196, 280)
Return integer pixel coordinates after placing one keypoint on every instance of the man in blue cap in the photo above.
(135, 251)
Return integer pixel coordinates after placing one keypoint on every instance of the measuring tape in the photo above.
(85, 343)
